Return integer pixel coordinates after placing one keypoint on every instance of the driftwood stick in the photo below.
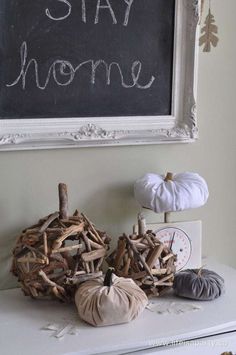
(167, 257)
(141, 246)
(45, 243)
(86, 266)
(77, 261)
(82, 272)
(93, 237)
(31, 260)
(69, 248)
(88, 248)
(36, 231)
(35, 251)
(135, 241)
(141, 224)
(139, 257)
(67, 222)
(63, 201)
(120, 252)
(95, 245)
(154, 255)
(138, 275)
(135, 265)
(47, 223)
(150, 242)
(74, 218)
(50, 282)
(33, 291)
(126, 268)
(157, 272)
(159, 282)
(58, 294)
(82, 278)
(168, 178)
(69, 231)
(169, 284)
(99, 239)
(93, 255)
(99, 264)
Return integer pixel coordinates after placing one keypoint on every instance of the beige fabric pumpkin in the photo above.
(120, 300)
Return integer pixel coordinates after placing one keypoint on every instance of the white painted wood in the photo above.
(181, 126)
(214, 345)
(22, 318)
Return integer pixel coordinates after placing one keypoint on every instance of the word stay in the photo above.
(101, 7)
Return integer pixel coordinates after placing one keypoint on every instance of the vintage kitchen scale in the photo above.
(171, 193)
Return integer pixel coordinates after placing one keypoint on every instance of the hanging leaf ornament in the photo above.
(209, 38)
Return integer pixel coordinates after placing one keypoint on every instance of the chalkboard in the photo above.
(86, 58)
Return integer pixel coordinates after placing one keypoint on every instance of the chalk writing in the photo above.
(48, 13)
(127, 12)
(101, 5)
(63, 72)
(107, 6)
(84, 15)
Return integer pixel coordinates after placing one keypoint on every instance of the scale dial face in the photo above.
(178, 241)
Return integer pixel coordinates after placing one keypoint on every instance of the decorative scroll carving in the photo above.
(12, 138)
(90, 131)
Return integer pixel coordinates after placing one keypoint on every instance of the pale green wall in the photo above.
(100, 180)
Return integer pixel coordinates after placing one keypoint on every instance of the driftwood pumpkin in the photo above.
(202, 284)
(145, 259)
(173, 192)
(110, 300)
(52, 257)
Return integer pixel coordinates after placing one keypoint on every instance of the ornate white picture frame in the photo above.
(180, 126)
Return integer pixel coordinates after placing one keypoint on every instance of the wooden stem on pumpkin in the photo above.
(63, 201)
(169, 177)
(167, 217)
(108, 277)
(141, 224)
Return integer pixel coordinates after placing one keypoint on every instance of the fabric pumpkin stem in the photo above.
(108, 277)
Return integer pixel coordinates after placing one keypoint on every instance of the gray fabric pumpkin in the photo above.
(201, 284)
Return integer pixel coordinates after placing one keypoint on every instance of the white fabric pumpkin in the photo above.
(119, 301)
(184, 191)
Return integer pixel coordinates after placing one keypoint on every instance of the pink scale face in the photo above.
(179, 242)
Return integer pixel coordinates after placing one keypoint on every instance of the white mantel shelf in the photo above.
(22, 320)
